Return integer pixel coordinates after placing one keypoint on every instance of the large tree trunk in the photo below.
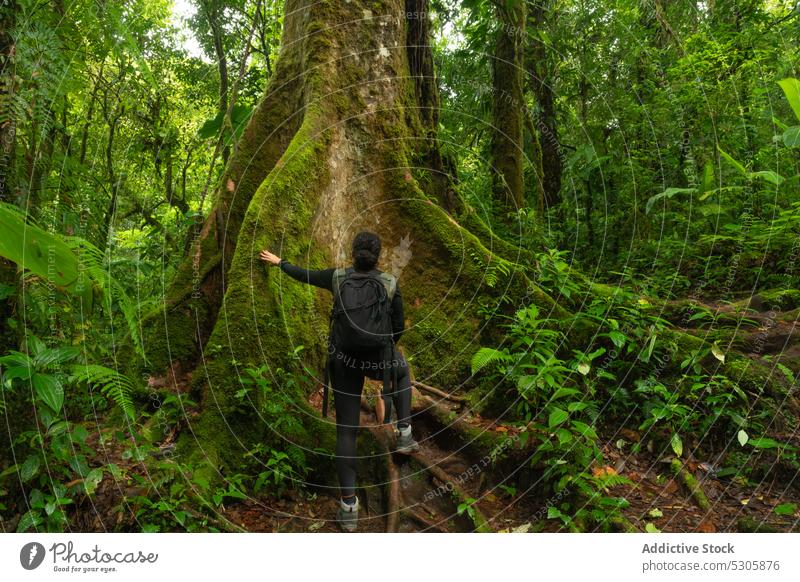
(542, 85)
(509, 109)
(343, 140)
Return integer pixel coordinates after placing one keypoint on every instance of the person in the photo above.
(348, 371)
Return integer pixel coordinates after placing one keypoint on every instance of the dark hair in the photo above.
(366, 250)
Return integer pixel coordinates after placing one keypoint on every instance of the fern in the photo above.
(93, 260)
(485, 356)
(114, 385)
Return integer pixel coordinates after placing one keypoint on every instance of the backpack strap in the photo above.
(339, 275)
(390, 282)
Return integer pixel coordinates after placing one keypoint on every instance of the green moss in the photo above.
(691, 484)
(774, 299)
(262, 319)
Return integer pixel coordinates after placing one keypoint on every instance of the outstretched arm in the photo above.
(321, 278)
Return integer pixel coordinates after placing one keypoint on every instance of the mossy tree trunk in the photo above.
(508, 110)
(343, 140)
(541, 83)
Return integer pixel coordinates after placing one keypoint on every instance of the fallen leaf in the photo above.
(631, 435)
(602, 471)
(706, 527)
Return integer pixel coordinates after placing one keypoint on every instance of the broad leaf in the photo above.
(732, 162)
(767, 175)
(557, 416)
(677, 444)
(41, 253)
(668, 193)
(49, 390)
(742, 437)
(791, 137)
(717, 351)
(791, 88)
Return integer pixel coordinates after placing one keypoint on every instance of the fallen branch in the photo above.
(437, 391)
(691, 483)
(220, 522)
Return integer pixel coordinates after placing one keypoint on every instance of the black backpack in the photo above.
(361, 322)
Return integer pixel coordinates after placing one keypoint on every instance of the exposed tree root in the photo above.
(437, 392)
(393, 497)
(480, 521)
(416, 516)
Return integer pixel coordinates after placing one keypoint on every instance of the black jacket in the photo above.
(324, 279)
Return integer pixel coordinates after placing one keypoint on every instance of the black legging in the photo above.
(347, 380)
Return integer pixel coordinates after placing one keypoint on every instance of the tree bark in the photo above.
(542, 85)
(508, 111)
(333, 148)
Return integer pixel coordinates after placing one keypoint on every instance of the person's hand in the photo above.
(269, 258)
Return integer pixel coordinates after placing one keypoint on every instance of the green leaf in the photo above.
(563, 392)
(584, 368)
(92, 480)
(791, 88)
(708, 179)
(30, 520)
(786, 509)
(36, 250)
(677, 444)
(6, 291)
(767, 175)
(791, 137)
(557, 416)
(668, 193)
(79, 433)
(584, 429)
(30, 468)
(732, 162)
(649, 350)
(717, 351)
(564, 436)
(650, 528)
(764, 443)
(743, 438)
(112, 384)
(617, 338)
(49, 391)
(655, 513)
(485, 356)
(577, 406)
(553, 512)
(240, 115)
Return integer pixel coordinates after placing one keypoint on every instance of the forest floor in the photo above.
(445, 487)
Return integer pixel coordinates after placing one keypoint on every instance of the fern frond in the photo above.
(112, 384)
(93, 259)
(485, 356)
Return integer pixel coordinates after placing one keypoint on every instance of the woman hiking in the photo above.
(349, 367)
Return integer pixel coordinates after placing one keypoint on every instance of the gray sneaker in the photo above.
(405, 442)
(347, 516)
